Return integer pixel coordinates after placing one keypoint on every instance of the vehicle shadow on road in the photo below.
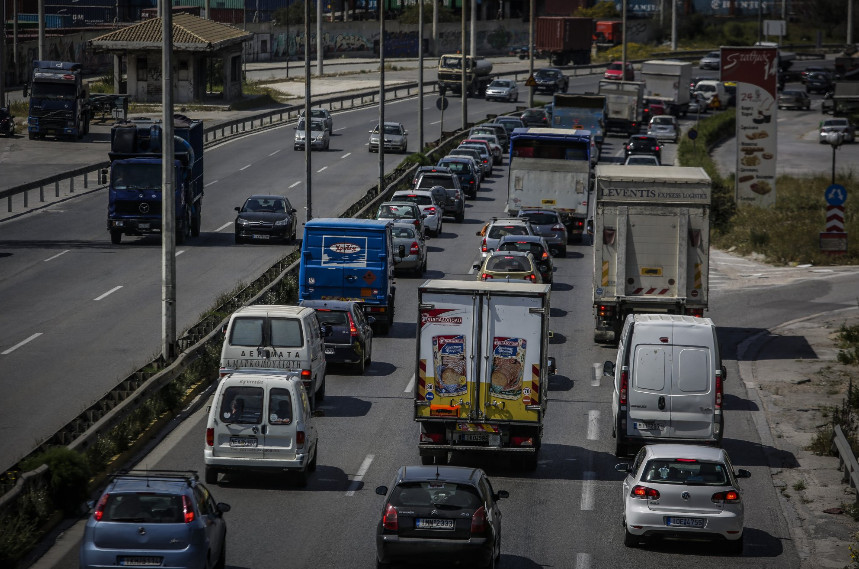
(379, 369)
(749, 453)
(343, 406)
(559, 382)
(756, 543)
(734, 403)
(325, 479)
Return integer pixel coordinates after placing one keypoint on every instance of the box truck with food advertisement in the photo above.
(482, 369)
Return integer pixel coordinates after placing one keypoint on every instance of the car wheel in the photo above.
(301, 478)
(361, 366)
(312, 465)
(460, 217)
(211, 475)
(736, 547)
(629, 539)
(116, 237)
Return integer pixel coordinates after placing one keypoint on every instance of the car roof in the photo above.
(459, 474)
(152, 480)
(698, 452)
(330, 304)
(522, 238)
(266, 197)
(508, 221)
(412, 193)
(527, 212)
(398, 203)
(497, 253)
(270, 309)
(433, 170)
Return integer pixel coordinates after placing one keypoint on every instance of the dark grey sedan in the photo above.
(794, 99)
(266, 218)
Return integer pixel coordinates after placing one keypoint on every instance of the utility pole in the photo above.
(381, 97)
(435, 27)
(318, 38)
(168, 191)
(307, 160)
(472, 50)
(673, 24)
(420, 76)
(41, 30)
(531, 52)
(463, 69)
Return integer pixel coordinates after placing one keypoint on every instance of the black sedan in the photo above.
(266, 218)
(643, 144)
(551, 80)
(440, 513)
(349, 335)
(535, 117)
(818, 82)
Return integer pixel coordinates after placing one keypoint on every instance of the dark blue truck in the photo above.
(349, 259)
(134, 193)
(59, 100)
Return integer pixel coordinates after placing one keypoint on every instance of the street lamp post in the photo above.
(835, 139)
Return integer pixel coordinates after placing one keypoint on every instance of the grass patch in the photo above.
(848, 342)
(799, 486)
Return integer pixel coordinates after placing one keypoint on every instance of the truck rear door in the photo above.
(651, 255)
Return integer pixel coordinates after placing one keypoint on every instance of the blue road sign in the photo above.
(836, 194)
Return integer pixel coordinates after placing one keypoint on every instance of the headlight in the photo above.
(281, 222)
(241, 221)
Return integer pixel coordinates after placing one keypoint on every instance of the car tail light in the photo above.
(210, 437)
(415, 248)
(434, 438)
(522, 441)
(485, 276)
(483, 246)
(389, 520)
(544, 256)
(98, 514)
(726, 497)
(187, 509)
(417, 222)
(532, 278)
(624, 386)
(353, 330)
(299, 438)
(657, 148)
(718, 391)
(644, 493)
(478, 521)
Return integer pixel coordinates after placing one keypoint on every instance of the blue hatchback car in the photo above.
(155, 518)
(469, 179)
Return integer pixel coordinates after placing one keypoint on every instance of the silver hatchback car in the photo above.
(664, 127)
(396, 137)
(410, 249)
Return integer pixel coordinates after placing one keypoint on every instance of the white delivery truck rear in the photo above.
(651, 244)
(482, 373)
(667, 81)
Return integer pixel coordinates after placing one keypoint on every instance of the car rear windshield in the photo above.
(685, 471)
(457, 167)
(415, 198)
(499, 231)
(542, 218)
(242, 404)
(332, 317)
(534, 248)
(258, 331)
(508, 263)
(143, 507)
(403, 232)
(436, 494)
(395, 212)
(427, 181)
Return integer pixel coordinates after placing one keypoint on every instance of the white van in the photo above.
(668, 382)
(260, 422)
(277, 338)
(711, 89)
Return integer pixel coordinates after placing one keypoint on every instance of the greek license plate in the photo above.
(257, 236)
(475, 437)
(329, 351)
(143, 226)
(685, 522)
(243, 442)
(430, 523)
(139, 561)
(648, 426)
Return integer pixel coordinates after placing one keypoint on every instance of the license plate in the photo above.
(475, 437)
(256, 236)
(685, 522)
(430, 523)
(143, 226)
(243, 442)
(138, 561)
(648, 426)
(329, 351)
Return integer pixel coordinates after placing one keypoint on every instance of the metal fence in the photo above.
(846, 459)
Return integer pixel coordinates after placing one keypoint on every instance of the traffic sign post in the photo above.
(834, 240)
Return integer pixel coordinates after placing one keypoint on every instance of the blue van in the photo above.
(349, 259)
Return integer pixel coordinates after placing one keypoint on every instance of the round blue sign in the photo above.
(430, 396)
(836, 194)
(692, 134)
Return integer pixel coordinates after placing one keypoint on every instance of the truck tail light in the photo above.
(522, 441)
(544, 256)
(726, 497)
(98, 514)
(389, 520)
(478, 521)
(210, 437)
(415, 248)
(605, 310)
(645, 493)
(718, 391)
(434, 438)
(187, 509)
(624, 386)
(305, 374)
(697, 312)
(353, 330)
(299, 438)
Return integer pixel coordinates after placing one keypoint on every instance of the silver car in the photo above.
(664, 127)
(828, 126)
(502, 89)
(497, 228)
(710, 61)
(319, 135)
(548, 224)
(321, 114)
(396, 138)
(410, 249)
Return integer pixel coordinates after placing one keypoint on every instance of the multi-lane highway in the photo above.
(91, 311)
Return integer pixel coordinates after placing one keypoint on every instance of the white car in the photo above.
(430, 207)
(664, 127)
(642, 160)
(828, 126)
(497, 228)
(683, 491)
(494, 143)
(502, 89)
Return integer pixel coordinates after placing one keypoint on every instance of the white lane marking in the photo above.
(347, 155)
(295, 184)
(224, 226)
(111, 291)
(411, 385)
(583, 560)
(593, 425)
(210, 183)
(275, 152)
(322, 169)
(588, 486)
(183, 250)
(243, 168)
(436, 122)
(21, 343)
(595, 380)
(359, 476)
(57, 255)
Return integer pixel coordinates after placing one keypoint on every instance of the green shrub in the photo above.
(18, 534)
(69, 475)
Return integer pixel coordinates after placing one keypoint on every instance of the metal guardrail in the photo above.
(846, 459)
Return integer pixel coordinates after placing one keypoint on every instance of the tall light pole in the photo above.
(307, 144)
(531, 52)
(463, 70)
(168, 191)
(381, 97)
(421, 76)
(319, 37)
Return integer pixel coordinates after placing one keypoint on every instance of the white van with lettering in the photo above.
(277, 338)
(260, 422)
(668, 382)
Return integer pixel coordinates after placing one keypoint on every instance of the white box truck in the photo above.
(667, 81)
(651, 244)
(624, 105)
(482, 369)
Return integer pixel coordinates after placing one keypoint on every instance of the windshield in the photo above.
(499, 231)
(136, 176)
(542, 218)
(317, 114)
(332, 317)
(141, 507)
(266, 205)
(545, 74)
(416, 198)
(403, 232)
(508, 263)
(534, 248)
(457, 167)
(54, 90)
(242, 404)
(451, 62)
(392, 211)
(501, 84)
(427, 182)
(663, 121)
(687, 472)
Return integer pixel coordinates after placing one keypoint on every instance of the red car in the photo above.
(614, 71)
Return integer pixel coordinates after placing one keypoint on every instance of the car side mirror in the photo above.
(622, 467)
(102, 174)
(293, 210)
(742, 473)
(237, 208)
(608, 369)
(222, 508)
(382, 490)
(501, 494)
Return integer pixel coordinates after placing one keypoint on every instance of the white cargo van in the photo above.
(668, 382)
(277, 338)
(260, 422)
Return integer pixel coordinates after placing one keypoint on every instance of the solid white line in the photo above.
(183, 250)
(322, 169)
(210, 183)
(111, 291)
(593, 425)
(588, 487)
(57, 255)
(295, 184)
(411, 385)
(224, 226)
(595, 380)
(359, 476)
(583, 560)
(275, 152)
(347, 155)
(436, 122)
(243, 168)
(21, 343)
